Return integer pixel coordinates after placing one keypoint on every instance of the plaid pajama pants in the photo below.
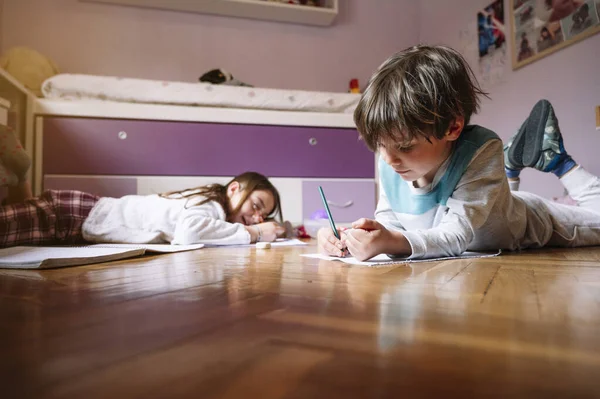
(55, 217)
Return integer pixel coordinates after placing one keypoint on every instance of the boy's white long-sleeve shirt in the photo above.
(145, 219)
(481, 213)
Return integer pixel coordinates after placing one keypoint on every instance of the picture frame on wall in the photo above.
(491, 34)
(541, 27)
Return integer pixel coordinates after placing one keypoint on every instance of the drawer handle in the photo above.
(346, 204)
(122, 135)
(312, 141)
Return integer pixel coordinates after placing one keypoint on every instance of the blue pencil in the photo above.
(337, 235)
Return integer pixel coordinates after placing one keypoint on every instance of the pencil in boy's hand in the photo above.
(331, 223)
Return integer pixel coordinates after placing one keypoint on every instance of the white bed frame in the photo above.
(119, 110)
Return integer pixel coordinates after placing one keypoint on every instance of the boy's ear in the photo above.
(455, 128)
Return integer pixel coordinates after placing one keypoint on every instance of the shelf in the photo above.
(254, 9)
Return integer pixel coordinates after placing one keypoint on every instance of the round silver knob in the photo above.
(312, 141)
(122, 135)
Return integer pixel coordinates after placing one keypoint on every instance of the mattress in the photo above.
(74, 87)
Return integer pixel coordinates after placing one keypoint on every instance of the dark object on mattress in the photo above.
(221, 77)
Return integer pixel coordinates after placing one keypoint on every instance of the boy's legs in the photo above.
(583, 187)
(573, 226)
(539, 144)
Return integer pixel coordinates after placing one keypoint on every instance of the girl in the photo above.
(234, 213)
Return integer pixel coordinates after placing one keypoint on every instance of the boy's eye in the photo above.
(405, 149)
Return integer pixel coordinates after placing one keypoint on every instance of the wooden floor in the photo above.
(246, 323)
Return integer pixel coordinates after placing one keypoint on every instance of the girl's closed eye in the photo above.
(257, 209)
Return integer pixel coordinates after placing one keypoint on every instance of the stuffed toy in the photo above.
(29, 67)
(221, 77)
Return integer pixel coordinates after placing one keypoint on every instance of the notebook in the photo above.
(384, 260)
(51, 257)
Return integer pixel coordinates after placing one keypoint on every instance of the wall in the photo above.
(568, 78)
(133, 42)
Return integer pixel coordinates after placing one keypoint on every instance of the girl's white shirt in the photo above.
(152, 219)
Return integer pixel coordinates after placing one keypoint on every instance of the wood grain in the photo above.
(242, 323)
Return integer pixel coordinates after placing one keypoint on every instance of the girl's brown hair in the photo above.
(249, 182)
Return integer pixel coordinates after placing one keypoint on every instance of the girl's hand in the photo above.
(369, 238)
(270, 231)
(329, 245)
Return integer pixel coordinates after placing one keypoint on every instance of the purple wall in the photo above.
(568, 78)
(111, 40)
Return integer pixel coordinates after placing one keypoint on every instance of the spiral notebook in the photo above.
(51, 257)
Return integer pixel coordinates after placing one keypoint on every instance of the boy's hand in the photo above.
(329, 245)
(369, 238)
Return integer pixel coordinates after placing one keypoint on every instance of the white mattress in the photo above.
(106, 88)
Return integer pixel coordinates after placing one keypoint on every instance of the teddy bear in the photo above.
(29, 67)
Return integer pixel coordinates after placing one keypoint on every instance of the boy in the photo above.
(442, 182)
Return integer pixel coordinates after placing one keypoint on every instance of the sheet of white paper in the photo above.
(382, 259)
(280, 242)
(285, 242)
